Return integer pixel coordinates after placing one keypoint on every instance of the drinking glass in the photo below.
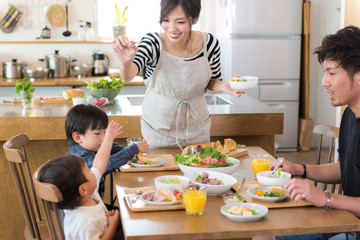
(194, 199)
(27, 99)
(134, 140)
(260, 162)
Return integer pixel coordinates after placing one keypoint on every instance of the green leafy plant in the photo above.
(115, 84)
(24, 86)
(120, 17)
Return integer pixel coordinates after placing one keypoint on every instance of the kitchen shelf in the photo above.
(58, 42)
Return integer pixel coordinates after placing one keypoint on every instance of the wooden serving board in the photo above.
(140, 206)
(169, 164)
(46, 100)
(238, 152)
(283, 204)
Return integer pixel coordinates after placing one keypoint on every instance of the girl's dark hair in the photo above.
(65, 172)
(83, 116)
(191, 8)
(343, 47)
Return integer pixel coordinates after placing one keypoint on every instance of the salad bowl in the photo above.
(228, 170)
(279, 178)
(171, 182)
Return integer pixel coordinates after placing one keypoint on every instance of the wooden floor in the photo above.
(12, 222)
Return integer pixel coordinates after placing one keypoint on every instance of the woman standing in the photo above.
(180, 66)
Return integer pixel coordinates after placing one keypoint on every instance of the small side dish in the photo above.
(243, 83)
(162, 197)
(268, 194)
(244, 211)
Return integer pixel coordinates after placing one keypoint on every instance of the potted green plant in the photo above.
(26, 92)
(120, 28)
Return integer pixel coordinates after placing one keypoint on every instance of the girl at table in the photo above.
(85, 125)
(86, 216)
(180, 65)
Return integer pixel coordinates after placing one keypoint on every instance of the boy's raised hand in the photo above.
(114, 129)
(143, 146)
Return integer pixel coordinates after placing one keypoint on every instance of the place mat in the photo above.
(238, 152)
(283, 204)
(56, 15)
(140, 206)
(169, 164)
(54, 99)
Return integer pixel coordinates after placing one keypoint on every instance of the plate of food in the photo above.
(244, 212)
(243, 83)
(163, 197)
(268, 194)
(145, 162)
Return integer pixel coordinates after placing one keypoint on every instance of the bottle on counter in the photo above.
(81, 35)
(90, 34)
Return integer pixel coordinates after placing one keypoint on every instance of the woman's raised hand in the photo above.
(124, 49)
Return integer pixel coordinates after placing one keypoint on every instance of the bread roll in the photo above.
(229, 145)
(75, 92)
(219, 147)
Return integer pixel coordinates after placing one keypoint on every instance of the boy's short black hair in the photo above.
(343, 47)
(65, 172)
(84, 116)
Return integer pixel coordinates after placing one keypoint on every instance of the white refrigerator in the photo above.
(263, 38)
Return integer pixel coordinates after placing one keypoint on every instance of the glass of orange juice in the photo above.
(194, 199)
(260, 162)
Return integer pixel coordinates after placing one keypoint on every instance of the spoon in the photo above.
(137, 193)
(190, 150)
(241, 184)
(279, 161)
(67, 33)
(199, 149)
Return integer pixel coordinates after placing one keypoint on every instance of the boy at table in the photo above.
(85, 126)
(86, 216)
(340, 56)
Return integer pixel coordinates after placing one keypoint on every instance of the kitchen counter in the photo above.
(245, 119)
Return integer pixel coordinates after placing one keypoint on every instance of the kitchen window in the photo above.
(143, 17)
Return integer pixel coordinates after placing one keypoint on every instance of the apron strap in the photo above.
(179, 106)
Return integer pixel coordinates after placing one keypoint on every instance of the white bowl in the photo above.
(162, 182)
(227, 170)
(243, 83)
(260, 209)
(227, 180)
(265, 178)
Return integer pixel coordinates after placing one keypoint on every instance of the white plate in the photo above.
(158, 203)
(161, 162)
(252, 193)
(260, 209)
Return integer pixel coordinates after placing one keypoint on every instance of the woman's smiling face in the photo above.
(176, 25)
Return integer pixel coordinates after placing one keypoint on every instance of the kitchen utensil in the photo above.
(82, 70)
(27, 22)
(101, 64)
(67, 33)
(56, 15)
(45, 33)
(10, 19)
(199, 149)
(190, 150)
(35, 73)
(278, 163)
(13, 69)
(241, 184)
(59, 66)
(137, 194)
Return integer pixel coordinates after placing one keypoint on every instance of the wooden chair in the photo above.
(15, 153)
(50, 195)
(324, 130)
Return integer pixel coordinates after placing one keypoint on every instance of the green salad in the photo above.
(209, 158)
(114, 83)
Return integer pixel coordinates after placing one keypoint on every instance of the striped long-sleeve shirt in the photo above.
(149, 54)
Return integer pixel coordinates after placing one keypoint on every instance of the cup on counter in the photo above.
(194, 199)
(134, 140)
(27, 99)
(78, 100)
(260, 162)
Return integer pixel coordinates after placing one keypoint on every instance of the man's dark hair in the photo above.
(65, 172)
(343, 47)
(83, 116)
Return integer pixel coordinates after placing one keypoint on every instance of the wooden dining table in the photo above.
(176, 224)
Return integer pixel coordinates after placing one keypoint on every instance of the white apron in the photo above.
(174, 109)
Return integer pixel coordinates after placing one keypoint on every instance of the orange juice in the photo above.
(194, 201)
(259, 165)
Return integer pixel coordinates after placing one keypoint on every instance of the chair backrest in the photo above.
(332, 132)
(15, 153)
(50, 195)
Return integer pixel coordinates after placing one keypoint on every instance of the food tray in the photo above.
(140, 206)
(238, 152)
(168, 165)
(283, 204)
(46, 100)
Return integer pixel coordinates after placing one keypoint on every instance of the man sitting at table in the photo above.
(340, 56)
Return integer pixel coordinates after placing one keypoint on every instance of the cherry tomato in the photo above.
(259, 192)
(179, 196)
